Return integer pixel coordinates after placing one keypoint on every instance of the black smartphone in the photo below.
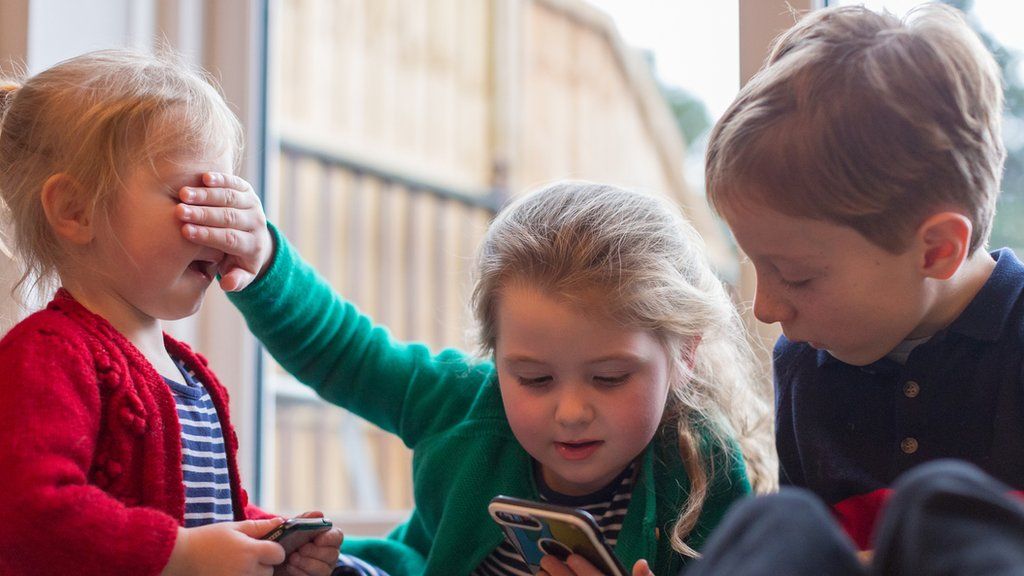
(294, 532)
(538, 528)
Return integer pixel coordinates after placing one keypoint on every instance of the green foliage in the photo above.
(690, 113)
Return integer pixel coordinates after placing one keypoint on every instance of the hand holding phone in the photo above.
(294, 532)
(538, 529)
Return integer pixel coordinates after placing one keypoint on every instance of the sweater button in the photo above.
(911, 389)
(908, 445)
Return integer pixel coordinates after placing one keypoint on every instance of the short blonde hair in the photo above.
(575, 239)
(869, 121)
(97, 117)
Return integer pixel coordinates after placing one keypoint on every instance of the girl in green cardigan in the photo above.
(619, 378)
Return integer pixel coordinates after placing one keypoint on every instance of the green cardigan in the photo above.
(447, 408)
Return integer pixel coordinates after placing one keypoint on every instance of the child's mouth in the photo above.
(204, 268)
(577, 450)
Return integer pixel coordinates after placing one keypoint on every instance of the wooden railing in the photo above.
(400, 249)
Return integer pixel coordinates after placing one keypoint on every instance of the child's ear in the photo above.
(946, 241)
(69, 212)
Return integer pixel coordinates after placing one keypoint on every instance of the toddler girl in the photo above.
(116, 446)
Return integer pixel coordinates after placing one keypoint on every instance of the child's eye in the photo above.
(534, 382)
(612, 380)
(796, 283)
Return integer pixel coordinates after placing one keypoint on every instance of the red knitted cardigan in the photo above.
(90, 448)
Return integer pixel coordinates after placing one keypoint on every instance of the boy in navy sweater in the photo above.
(859, 171)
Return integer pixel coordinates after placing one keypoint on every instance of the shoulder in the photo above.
(49, 330)
(53, 355)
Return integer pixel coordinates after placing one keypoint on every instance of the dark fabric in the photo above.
(949, 517)
(847, 432)
(945, 518)
(790, 533)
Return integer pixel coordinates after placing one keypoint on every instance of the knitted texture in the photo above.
(90, 448)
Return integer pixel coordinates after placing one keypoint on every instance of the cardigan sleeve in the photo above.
(54, 519)
(329, 345)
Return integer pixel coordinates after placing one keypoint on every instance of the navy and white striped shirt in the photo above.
(204, 462)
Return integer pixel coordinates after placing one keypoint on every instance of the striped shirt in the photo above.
(204, 462)
(608, 507)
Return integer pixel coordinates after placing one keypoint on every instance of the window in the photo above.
(998, 24)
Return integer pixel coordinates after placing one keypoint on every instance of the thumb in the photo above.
(258, 528)
(268, 553)
(235, 280)
(642, 569)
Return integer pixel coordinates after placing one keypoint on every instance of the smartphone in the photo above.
(539, 528)
(294, 532)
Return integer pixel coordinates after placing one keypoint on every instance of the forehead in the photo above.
(766, 233)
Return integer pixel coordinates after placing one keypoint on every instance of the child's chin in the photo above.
(186, 310)
(857, 358)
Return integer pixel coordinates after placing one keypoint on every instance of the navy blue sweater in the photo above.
(846, 432)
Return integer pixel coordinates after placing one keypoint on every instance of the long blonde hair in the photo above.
(572, 238)
(96, 117)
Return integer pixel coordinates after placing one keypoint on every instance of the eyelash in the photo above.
(534, 382)
(612, 380)
(796, 284)
(540, 381)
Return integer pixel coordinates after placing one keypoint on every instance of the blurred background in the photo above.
(384, 134)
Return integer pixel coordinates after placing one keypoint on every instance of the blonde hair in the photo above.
(571, 239)
(97, 117)
(868, 121)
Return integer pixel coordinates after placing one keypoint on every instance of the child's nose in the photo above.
(770, 307)
(573, 407)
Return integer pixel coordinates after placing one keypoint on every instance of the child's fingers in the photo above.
(220, 179)
(245, 220)
(580, 566)
(227, 240)
(555, 567)
(310, 561)
(641, 568)
(333, 537)
(222, 197)
(236, 279)
(257, 528)
(266, 552)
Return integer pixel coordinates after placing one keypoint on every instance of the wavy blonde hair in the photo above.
(97, 117)
(572, 238)
(868, 121)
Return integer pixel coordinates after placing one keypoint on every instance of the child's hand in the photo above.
(225, 549)
(315, 558)
(227, 215)
(577, 565)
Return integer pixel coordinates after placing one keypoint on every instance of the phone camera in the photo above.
(518, 520)
(510, 517)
